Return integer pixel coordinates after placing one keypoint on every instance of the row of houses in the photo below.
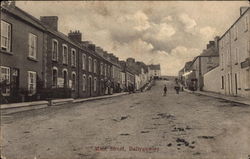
(37, 61)
(224, 66)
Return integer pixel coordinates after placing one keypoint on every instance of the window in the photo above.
(73, 57)
(84, 82)
(73, 81)
(105, 70)
(222, 63)
(54, 77)
(65, 78)
(95, 66)
(95, 83)
(83, 61)
(54, 50)
(222, 82)
(65, 54)
(5, 36)
(32, 45)
(90, 64)
(236, 55)
(248, 48)
(101, 68)
(246, 23)
(235, 32)
(5, 78)
(31, 82)
(247, 83)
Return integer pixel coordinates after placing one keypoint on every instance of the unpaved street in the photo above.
(140, 125)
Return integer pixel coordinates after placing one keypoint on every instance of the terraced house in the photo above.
(234, 49)
(21, 54)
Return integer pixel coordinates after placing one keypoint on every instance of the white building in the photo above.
(234, 52)
(154, 71)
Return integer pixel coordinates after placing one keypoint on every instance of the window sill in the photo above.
(32, 59)
(247, 89)
(6, 52)
(65, 64)
(236, 63)
(235, 39)
(73, 66)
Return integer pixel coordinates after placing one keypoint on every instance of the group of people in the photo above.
(177, 88)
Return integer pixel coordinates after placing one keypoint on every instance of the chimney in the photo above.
(75, 36)
(216, 41)
(243, 9)
(50, 21)
(91, 47)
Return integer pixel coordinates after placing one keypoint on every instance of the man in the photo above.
(165, 90)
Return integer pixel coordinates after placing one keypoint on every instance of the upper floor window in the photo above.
(65, 54)
(32, 45)
(235, 32)
(236, 55)
(95, 66)
(101, 68)
(54, 50)
(83, 61)
(105, 70)
(5, 36)
(90, 64)
(31, 82)
(5, 78)
(246, 23)
(73, 57)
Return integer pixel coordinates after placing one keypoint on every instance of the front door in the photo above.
(236, 86)
(90, 86)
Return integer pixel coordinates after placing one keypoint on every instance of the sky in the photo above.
(169, 33)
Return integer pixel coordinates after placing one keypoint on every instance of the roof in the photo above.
(15, 11)
(235, 22)
(154, 67)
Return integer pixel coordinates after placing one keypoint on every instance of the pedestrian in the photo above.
(165, 90)
(177, 88)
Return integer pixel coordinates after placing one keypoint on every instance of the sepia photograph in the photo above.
(125, 79)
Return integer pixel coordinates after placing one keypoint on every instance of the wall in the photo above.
(212, 80)
(18, 57)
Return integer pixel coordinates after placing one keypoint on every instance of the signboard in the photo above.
(60, 82)
(245, 64)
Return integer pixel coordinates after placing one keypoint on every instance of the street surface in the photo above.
(141, 125)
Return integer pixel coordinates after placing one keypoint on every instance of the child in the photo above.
(165, 90)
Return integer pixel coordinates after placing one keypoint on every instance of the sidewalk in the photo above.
(26, 106)
(241, 100)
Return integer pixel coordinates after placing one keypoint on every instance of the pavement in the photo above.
(136, 126)
(236, 99)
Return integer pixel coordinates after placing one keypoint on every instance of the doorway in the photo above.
(236, 84)
(90, 86)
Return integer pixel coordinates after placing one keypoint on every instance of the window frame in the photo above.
(90, 64)
(9, 34)
(95, 84)
(84, 83)
(7, 89)
(73, 60)
(84, 61)
(54, 85)
(65, 61)
(33, 48)
(56, 58)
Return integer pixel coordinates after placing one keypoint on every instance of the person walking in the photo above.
(165, 90)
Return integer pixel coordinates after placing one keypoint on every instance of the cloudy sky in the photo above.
(169, 33)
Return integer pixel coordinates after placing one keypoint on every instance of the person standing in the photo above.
(165, 90)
